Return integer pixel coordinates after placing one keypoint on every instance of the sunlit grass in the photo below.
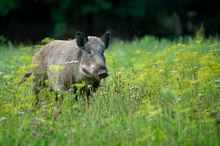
(157, 93)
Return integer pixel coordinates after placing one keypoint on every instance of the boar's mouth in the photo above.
(90, 74)
(98, 77)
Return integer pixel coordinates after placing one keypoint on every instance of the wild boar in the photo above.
(65, 63)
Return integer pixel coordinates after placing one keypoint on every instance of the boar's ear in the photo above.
(81, 39)
(106, 39)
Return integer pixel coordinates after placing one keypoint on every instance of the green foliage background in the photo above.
(158, 93)
(33, 20)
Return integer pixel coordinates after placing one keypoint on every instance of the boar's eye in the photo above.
(89, 51)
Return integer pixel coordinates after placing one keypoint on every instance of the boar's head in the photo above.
(92, 63)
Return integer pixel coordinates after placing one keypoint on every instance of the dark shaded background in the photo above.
(33, 20)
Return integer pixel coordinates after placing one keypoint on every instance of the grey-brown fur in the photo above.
(64, 63)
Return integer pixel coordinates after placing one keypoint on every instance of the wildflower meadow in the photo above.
(159, 92)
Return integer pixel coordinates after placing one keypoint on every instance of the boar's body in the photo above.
(51, 63)
(64, 63)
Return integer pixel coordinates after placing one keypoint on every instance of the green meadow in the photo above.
(158, 93)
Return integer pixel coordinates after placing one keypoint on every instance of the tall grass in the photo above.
(158, 93)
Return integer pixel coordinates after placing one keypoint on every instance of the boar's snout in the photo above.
(103, 74)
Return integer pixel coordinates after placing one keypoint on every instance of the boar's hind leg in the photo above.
(39, 83)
